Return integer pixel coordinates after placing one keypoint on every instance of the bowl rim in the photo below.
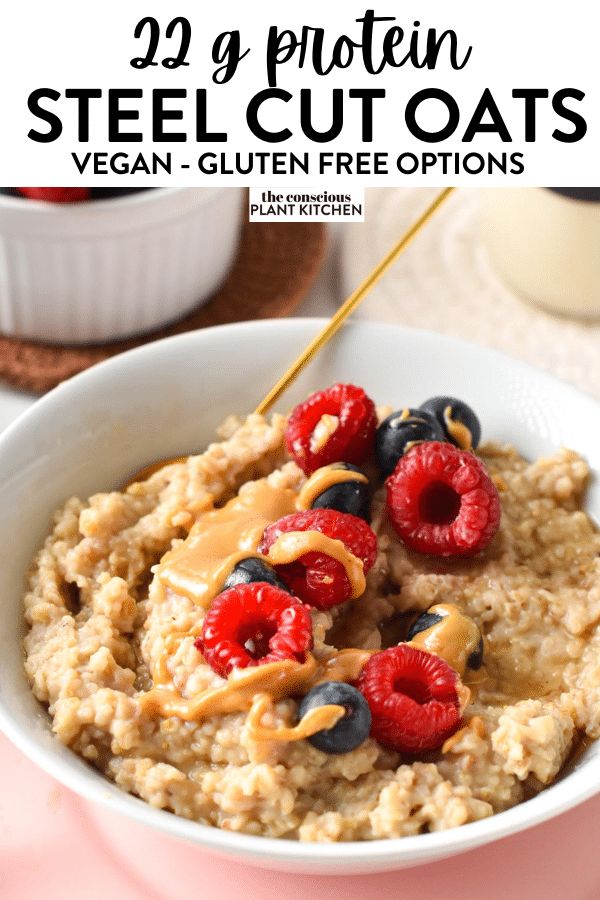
(564, 794)
(150, 193)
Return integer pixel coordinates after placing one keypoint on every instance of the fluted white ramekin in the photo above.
(108, 269)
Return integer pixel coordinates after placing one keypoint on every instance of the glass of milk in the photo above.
(545, 243)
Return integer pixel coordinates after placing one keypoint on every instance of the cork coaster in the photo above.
(275, 266)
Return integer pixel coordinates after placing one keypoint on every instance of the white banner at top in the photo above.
(425, 92)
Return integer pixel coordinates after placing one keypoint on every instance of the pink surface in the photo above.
(56, 846)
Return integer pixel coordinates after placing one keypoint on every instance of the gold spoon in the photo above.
(349, 305)
(332, 326)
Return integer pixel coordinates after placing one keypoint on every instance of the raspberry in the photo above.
(442, 501)
(56, 194)
(252, 624)
(335, 425)
(413, 699)
(316, 578)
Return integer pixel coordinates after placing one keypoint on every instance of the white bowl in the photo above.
(167, 398)
(108, 269)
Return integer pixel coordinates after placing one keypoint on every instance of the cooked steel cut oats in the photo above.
(106, 634)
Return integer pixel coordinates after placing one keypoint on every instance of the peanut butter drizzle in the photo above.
(291, 545)
(343, 665)
(453, 638)
(458, 431)
(148, 471)
(321, 718)
(323, 430)
(161, 677)
(221, 538)
(323, 479)
(406, 414)
(276, 680)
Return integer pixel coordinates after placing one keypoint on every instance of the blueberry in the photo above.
(349, 732)
(352, 497)
(475, 660)
(460, 424)
(425, 621)
(398, 432)
(253, 569)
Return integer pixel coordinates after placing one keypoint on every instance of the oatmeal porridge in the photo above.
(267, 639)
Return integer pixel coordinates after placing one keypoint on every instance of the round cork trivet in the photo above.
(275, 266)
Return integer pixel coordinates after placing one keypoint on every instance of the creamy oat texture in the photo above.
(99, 625)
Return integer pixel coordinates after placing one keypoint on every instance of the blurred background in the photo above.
(513, 269)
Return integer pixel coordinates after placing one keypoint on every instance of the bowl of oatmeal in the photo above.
(147, 668)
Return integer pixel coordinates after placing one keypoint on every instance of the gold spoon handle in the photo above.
(349, 305)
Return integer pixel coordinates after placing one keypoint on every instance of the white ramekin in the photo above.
(109, 269)
(167, 398)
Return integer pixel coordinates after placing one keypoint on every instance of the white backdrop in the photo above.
(69, 44)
